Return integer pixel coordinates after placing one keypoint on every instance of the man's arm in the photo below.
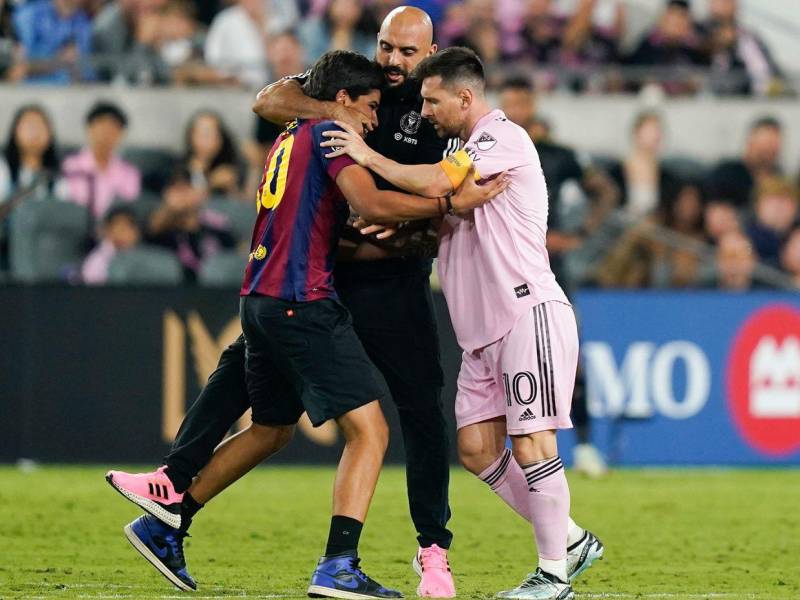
(425, 180)
(284, 101)
(384, 206)
(579, 26)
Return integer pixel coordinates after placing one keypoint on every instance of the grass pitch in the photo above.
(668, 533)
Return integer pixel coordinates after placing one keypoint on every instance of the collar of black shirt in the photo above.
(408, 91)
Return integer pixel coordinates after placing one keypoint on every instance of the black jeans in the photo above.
(393, 317)
(392, 310)
(220, 404)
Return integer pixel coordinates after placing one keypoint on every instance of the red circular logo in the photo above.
(764, 380)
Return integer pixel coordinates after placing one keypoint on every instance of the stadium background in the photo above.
(88, 353)
(678, 240)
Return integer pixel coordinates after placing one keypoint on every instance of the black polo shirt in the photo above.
(402, 134)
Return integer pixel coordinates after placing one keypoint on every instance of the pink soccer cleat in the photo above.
(436, 579)
(153, 492)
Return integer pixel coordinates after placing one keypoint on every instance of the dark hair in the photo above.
(343, 70)
(226, 155)
(766, 121)
(106, 109)
(365, 24)
(517, 82)
(672, 190)
(453, 64)
(120, 210)
(682, 4)
(12, 153)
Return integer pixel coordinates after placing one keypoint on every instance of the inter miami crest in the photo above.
(485, 142)
(410, 122)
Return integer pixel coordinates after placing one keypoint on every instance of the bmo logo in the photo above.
(671, 379)
(763, 380)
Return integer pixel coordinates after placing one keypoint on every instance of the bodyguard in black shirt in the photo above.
(387, 291)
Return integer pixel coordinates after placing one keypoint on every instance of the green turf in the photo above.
(668, 534)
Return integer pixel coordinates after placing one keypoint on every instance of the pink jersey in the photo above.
(493, 263)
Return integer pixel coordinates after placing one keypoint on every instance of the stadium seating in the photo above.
(686, 168)
(144, 206)
(47, 240)
(156, 166)
(223, 270)
(145, 266)
(242, 215)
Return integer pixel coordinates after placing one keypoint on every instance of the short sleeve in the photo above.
(498, 148)
(456, 166)
(24, 23)
(332, 166)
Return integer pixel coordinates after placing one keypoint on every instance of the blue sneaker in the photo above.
(339, 577)
(162, 546)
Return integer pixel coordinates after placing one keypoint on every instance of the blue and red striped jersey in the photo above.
(300, 215)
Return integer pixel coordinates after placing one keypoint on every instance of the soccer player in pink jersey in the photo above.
(512, 320)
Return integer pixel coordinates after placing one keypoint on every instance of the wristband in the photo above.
(449, 203)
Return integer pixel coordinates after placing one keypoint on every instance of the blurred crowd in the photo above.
(250, 42)
(645, 220)
(638, 220)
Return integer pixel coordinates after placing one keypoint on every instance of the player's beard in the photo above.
(443, 131)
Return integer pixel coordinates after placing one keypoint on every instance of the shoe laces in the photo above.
(354, 565)
(534, 579)
(434, 558)
(176, 541)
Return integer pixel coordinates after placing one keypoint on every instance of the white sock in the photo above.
(574, 533)
(554, 567)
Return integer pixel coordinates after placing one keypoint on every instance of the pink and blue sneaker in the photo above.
(340, 577)
(152, 492)
(433, 568)
(162, 546)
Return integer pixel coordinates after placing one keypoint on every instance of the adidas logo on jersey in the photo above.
(522, 290)
(527, 415)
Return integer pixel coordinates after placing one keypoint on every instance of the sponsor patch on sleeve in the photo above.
(485, 142)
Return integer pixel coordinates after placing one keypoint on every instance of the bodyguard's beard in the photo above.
(395, 75)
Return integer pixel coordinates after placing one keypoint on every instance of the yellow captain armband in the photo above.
(456, 166)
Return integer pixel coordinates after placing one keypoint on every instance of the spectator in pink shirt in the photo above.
(96, 176)
(120, 233)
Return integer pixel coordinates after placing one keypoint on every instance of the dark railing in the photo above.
(618, 223)
(147, 68)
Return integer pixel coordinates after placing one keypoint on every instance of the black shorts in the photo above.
(304, 356)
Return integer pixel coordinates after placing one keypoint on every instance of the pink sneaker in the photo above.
(434, 570)
(153, 492)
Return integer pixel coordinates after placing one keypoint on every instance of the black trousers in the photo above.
(392, 309)
(220, 404)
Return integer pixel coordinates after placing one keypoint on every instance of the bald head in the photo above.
(411, 21)
(405, 38)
